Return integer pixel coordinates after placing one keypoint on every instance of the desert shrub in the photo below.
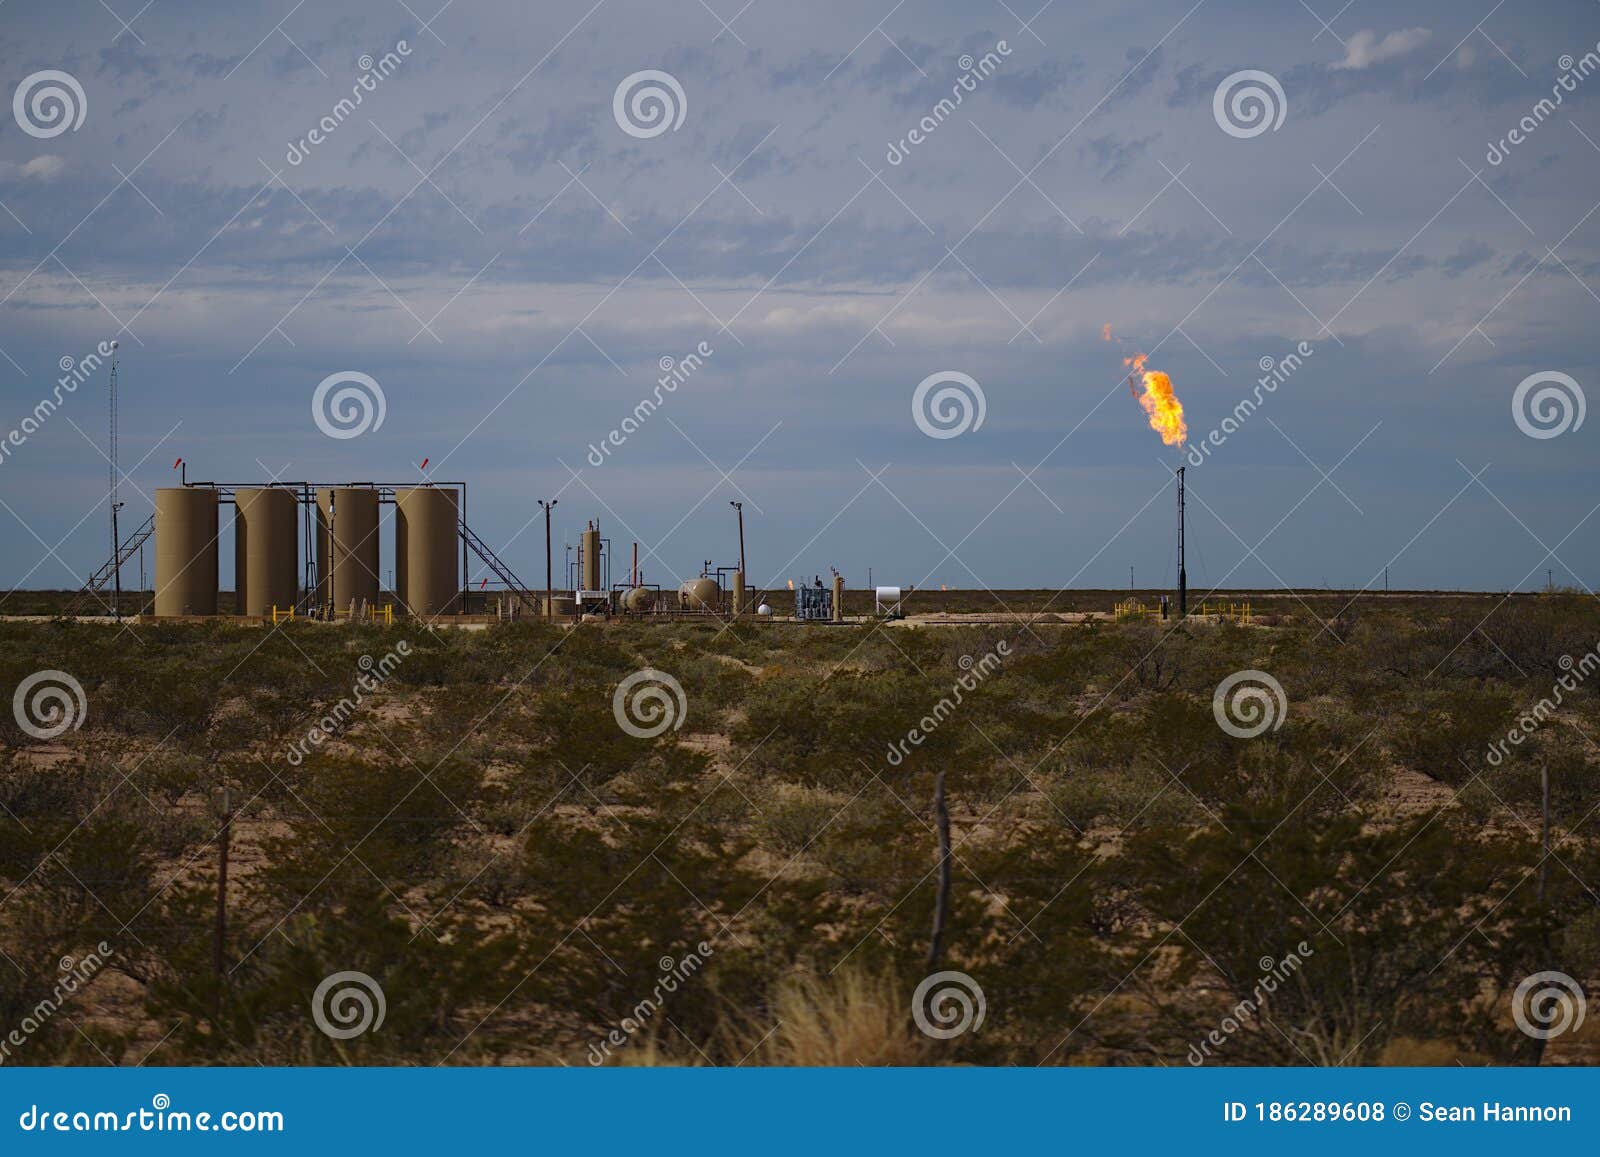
(1446, 735)
(1397, 931)
(791, 818)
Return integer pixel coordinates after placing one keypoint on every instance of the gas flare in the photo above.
(1160, 404)
(1164, 409)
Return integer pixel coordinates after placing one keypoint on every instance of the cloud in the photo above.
(44, 167)
(1364, 49)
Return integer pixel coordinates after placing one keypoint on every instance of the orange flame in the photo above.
(791, 584)
(1158, 400)
(1162, 407)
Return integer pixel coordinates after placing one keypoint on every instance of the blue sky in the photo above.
(486, 241)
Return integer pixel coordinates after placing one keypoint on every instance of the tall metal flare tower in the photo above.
(111, 456)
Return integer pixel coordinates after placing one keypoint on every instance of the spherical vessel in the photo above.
(700, 594)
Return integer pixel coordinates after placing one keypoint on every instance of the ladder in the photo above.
(101, 578)
(501, 570)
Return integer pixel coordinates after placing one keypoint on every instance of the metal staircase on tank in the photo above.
(500, 570)
(101, 578)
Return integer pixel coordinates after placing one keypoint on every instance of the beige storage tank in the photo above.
(426, 532)
(266, 550)
(639, 601)
(348, 548)
(589, 553)
(186, 550)
(701, 594)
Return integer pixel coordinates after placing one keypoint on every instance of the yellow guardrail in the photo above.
(1134, 610)
(383, 614)
(1237, 612)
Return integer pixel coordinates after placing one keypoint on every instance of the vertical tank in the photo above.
(838, 598)
(266, 550)
(347, 546)
(426, 530)
(591, 558)
(738, 592)
(186, 551)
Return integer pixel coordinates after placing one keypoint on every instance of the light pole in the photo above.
(333, 553)
(549, 588)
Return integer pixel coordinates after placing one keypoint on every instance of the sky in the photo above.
(533, 206)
